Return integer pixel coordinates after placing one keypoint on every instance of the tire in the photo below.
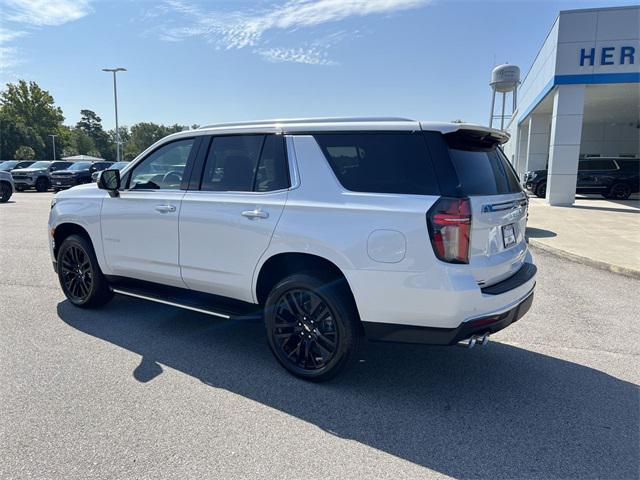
(619, 191)
(312, 326)
(79, 274)
(5, 192)
(42, 184)
(541, 190)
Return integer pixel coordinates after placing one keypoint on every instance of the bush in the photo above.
(24, 153)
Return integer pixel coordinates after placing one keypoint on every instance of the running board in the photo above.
(200, 302)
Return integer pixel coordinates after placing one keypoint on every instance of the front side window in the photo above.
(164, 168)
(246, 163)
(380, 162)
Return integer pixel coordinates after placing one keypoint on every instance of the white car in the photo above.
(331, 230)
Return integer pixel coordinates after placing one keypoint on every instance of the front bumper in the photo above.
(389, 332)
(63, 182)
(24, 181)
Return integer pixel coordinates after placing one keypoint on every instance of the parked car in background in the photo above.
(6, 186)
(114, 166)
(37, 175)
(9, 165)
(611, 177)
(77, 174)
(329, 230)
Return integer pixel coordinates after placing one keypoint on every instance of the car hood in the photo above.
(28, 170)
(72, 172)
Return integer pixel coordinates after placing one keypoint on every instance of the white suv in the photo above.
(330, 230)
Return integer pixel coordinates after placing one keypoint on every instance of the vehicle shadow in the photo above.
(533, 232)
(497, 412)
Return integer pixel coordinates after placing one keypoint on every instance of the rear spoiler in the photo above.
(492, 135)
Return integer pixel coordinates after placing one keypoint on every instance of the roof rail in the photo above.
(309, 120)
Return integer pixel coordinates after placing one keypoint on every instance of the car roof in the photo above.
(312, 125)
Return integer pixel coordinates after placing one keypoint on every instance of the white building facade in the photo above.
(581, 97)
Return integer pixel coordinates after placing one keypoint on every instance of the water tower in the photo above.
(504, 78)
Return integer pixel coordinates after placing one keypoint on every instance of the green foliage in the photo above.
(28, 116)
(24, 153)
(145, 134)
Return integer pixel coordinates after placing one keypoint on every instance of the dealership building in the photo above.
(581, 97)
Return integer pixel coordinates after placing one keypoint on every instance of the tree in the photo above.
(145, 134)
(24, 153)
(91, 124)
(28, 115)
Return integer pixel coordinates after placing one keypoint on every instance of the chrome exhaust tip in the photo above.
(474, 340)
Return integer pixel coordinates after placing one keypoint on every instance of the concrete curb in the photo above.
(628, 272)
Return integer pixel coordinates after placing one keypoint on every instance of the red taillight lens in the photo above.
(449, 222)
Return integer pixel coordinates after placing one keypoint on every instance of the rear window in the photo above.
(481, 166)
(380, 162)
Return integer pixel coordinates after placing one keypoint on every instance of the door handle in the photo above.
(165, 208)
(257, 213)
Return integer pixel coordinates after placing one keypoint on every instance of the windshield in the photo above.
(40, 165)
(80, 166)
(7, 165)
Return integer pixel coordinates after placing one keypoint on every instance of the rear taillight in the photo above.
(449, 222)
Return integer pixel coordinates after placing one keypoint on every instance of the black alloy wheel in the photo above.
(305, 330)
(79, 273)
(312, 326)
(541, 190)
(42, 184)
(620, 191)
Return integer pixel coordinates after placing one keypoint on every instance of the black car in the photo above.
(614, 177)
(77, 174)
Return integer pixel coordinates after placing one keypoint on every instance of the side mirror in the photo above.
(110, 180)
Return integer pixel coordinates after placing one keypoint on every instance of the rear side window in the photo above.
(246, 163)
(380, 162)
(481, 166)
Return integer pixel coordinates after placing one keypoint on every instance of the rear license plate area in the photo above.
(508, 235)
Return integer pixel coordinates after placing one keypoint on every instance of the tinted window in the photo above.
(480, 165)
(98, 166)
(597, 164)
(231, 163)
(23, 164)
(272, 173)
(163, 168)
(385, 162)
(629, 165)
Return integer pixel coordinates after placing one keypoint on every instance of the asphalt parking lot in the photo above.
(139, 390)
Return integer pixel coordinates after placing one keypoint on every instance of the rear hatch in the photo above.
(496, 203)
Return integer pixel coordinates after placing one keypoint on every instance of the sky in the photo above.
(228, 60)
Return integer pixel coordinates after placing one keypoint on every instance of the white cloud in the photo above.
(44, 12)
(237, 29)
(309, 56)
(20, 17)
(8, 57)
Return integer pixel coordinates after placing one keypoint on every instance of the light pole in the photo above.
(53, 139)
(115, 97)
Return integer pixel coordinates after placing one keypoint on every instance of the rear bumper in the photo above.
(389, 332)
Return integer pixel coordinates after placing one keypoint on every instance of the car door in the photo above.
(226, 223)
(140, 225)
(594, 175)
